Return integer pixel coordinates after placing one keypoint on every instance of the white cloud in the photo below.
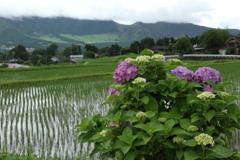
(214, 13)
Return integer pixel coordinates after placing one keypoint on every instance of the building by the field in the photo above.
(233, 45)
(76, 57)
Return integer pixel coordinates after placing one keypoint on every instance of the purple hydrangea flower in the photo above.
(113, 124)
(127, 123)
(125, 72)
(207, 73)
(208, 88)
(182, 72)
(113, 91)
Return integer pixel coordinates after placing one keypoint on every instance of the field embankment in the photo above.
(94, 67)
(86, 68)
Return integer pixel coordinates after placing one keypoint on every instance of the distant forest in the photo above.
(209, 42)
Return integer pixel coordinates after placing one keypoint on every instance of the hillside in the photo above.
(39, 32)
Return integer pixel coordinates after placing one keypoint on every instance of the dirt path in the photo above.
(15, 65)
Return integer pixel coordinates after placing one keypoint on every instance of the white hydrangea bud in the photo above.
(178, 140)
(158, 57)
(141, 114)
(129, 59)
(139, 80)
(162, 119)
(224, 94)
(206, 95)
(192, 128)
(204, 139)
(143, 59)
(103, 133)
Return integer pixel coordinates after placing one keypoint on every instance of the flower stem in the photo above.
(203, 152)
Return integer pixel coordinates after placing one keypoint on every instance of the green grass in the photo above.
(94, 38)
(55, 74)
(47, 38)
(85, 68)
(225, 67)
(108, 60)
(94, 67)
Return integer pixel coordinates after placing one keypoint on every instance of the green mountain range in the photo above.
(39, 32)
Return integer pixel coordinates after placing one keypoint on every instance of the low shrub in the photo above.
(162, 110)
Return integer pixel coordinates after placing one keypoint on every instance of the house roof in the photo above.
(235, 39)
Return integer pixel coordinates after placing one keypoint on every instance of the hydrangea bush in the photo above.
(162, 110)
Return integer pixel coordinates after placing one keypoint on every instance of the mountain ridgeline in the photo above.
(39, 32)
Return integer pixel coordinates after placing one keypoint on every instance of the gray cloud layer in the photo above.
(212, 13)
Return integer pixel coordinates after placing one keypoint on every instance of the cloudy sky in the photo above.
(211, 13)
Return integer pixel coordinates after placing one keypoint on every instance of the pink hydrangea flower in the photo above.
(113, 124)
(183, 72)
(125, 72)
(113, 91)
(207, 73)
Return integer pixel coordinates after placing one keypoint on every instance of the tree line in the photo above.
(211, 40)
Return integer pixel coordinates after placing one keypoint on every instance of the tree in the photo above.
(90, 47)
(135, 47)
(89, 54)
(19, 52)
(147, 43)
(114, 50)
(72, 50)
(165, 41)
(2, 57)
(195, 40)
(214, 38)
(39, 52)
(103, 51)
(76, 49)
(35, 59)
(52, 49)
(183, 45)
(125, 50)
(46, 60)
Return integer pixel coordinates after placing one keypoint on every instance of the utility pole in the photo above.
(6, 55)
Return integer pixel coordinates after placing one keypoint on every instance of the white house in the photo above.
(76, 57)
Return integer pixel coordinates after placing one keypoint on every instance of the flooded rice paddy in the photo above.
(42, 118)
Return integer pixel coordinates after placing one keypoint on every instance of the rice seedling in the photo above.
(43, 117)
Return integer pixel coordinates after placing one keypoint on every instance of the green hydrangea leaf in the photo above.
(129, 113)
(179, 154)
(150, 127)
(145, 99)
(179, 131)
(190, 143)
(169, 125)
(150, 114)
(131, 155)
(152, 105)
(147, 52)
(190, 155)
(209, 115)
(127, 136)
(144, 136)
(185, 123)
(220, 151)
